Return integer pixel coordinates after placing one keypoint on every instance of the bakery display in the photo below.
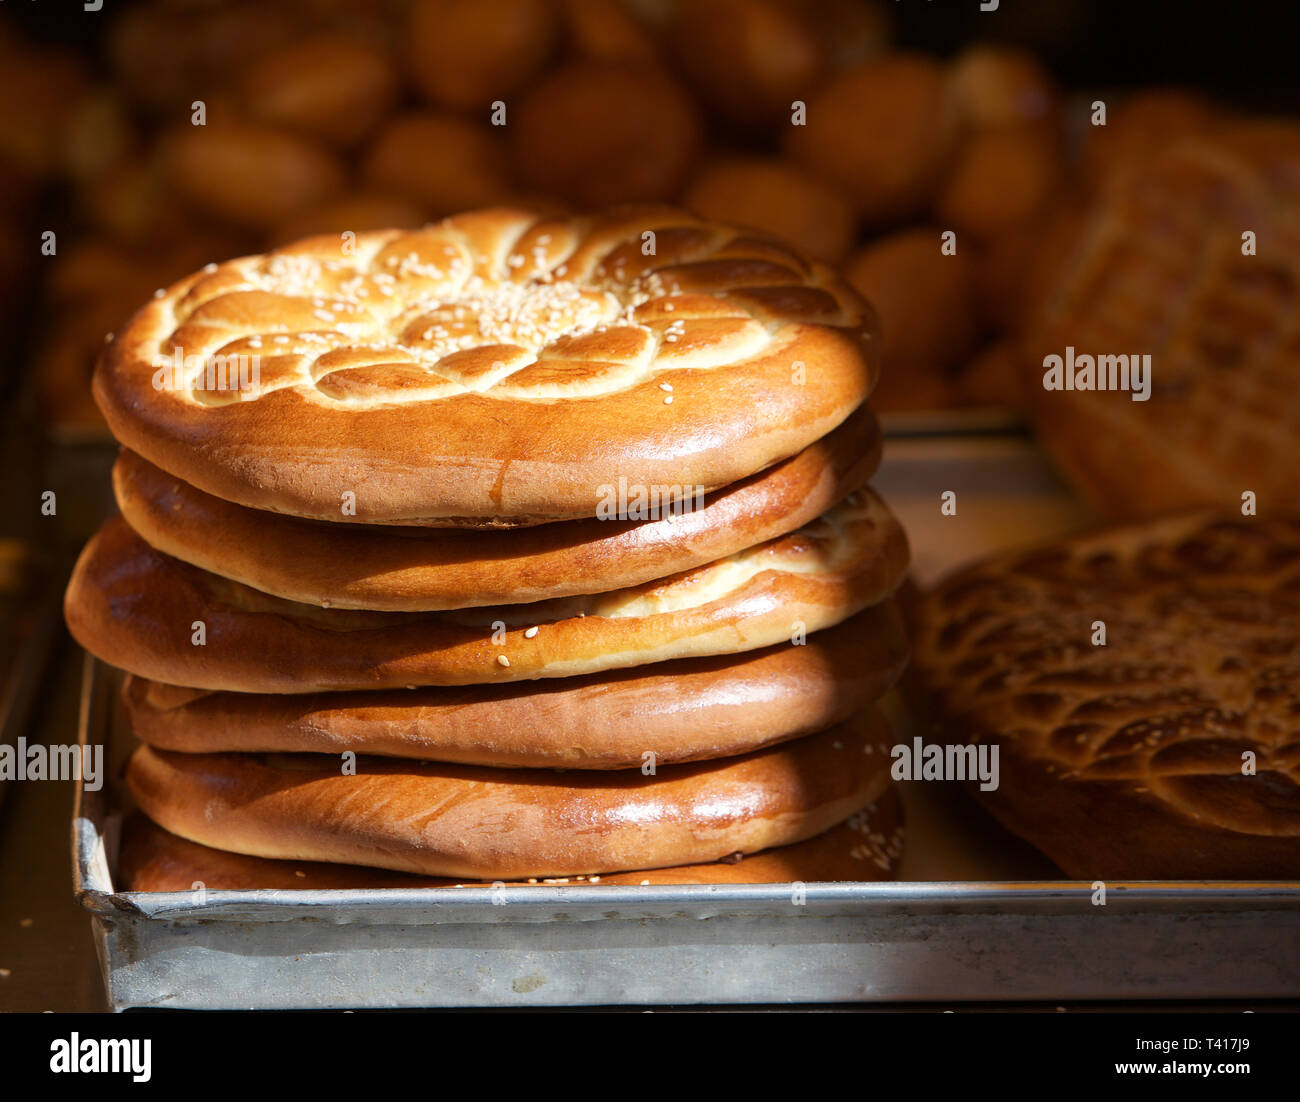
(1141, 684)
(521, 445)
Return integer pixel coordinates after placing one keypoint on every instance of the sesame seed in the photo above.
(502, 660)
(530, 633)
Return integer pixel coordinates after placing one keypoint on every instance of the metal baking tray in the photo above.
(565, 946)
(977, 916)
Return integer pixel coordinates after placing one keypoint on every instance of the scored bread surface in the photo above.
(495, 367)
(1171, 749)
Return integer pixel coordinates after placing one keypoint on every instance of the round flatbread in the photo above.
(163, 619)
(689, 710)
(414, 569)
(466, 821)
(494, 368)
(866, 846)
(1142, 685)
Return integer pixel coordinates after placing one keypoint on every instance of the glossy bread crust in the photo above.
(465, 821)
(408, 569)
(689, 710)
(497, 367)
(866, 846)
(143, 611)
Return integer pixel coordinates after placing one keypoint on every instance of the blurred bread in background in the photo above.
(1139, 126)
(164, 56)
(748, 59)
(249, 174)
(1000, 180)
(442, 161)
(359, 212)
(777, 196)
(329, 87)
(606, 30)
(601, 132)
(997, 87)
(466, 53)
(1211, 296)
(926, 304)
(883, 132)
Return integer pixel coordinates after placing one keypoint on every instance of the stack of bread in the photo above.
(514, 548)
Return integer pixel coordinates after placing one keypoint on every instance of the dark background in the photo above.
(1242, 48)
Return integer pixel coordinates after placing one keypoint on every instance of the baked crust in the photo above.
(1220, 327)
(495, 366)
(466, 821)
(689, 710)
(1126, 761)
(866, 846)
(407, 569)
(136, 609)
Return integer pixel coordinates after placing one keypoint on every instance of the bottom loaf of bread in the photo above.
(866, 846)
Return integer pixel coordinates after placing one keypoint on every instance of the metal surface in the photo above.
(1031, 940)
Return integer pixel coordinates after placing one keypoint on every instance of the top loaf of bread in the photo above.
(495, 368)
